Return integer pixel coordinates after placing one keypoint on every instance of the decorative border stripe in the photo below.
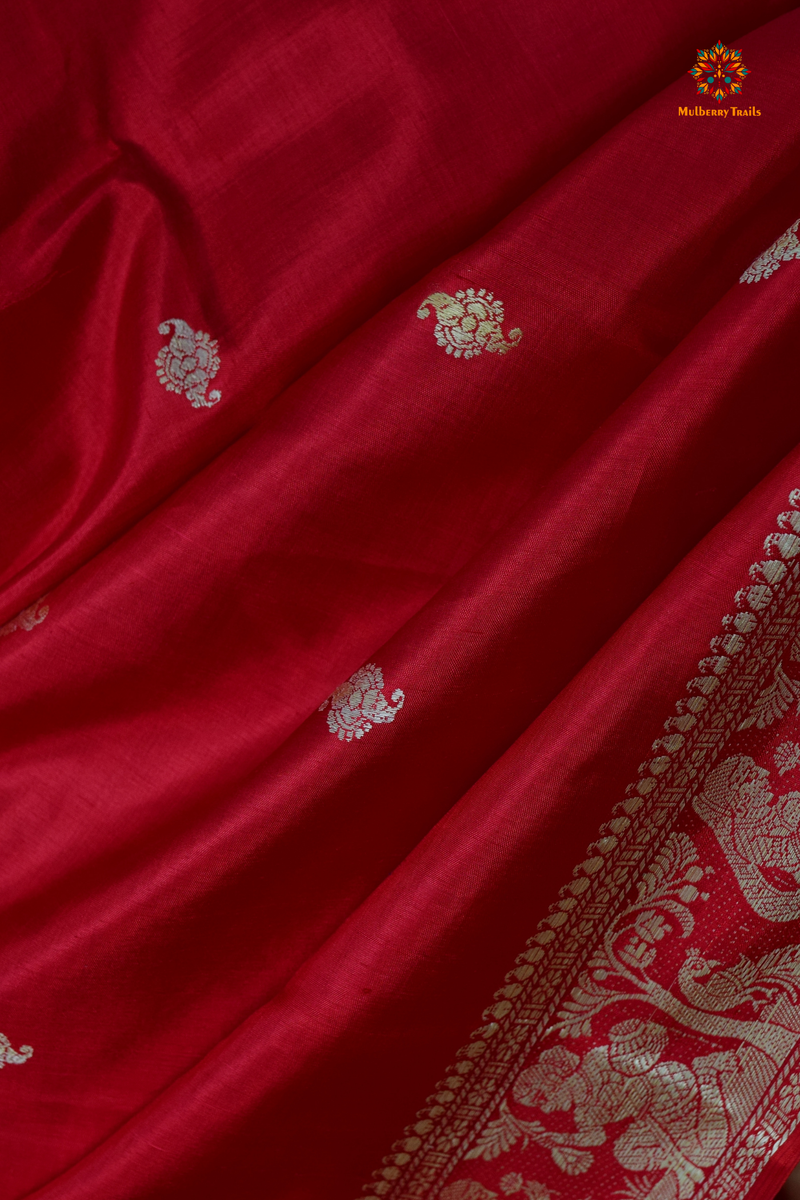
(743, 657)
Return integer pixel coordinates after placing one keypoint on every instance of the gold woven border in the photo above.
(743, 657)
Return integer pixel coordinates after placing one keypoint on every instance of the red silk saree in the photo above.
(400, 601)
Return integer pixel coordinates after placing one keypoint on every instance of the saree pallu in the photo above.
(400, 654)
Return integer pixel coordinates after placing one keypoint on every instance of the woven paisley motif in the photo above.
(359, 703)
(9, 1055)
(28, 619)
(469, 322)
(188, 363)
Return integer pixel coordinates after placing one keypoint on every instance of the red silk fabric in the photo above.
(244, 948)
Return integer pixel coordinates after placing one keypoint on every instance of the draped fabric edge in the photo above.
(743, 656)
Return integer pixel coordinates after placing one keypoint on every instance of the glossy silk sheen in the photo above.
(386, 433)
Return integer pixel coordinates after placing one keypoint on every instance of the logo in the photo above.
(719, 72)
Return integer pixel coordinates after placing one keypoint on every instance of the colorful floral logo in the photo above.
(719, 72)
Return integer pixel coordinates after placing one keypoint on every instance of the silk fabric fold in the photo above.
(254, 901)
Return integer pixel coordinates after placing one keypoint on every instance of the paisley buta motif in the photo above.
(9, 1055)
(28, 619)
(359, 703)
(188, 363)
(469, 322)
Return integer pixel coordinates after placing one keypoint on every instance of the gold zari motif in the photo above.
(469, 322)
(784, 248)
(359, 703)
(9, 1055)
(28, 619)
(188, 363)
(678, 1069)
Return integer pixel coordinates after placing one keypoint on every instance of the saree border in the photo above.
(743, 655)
